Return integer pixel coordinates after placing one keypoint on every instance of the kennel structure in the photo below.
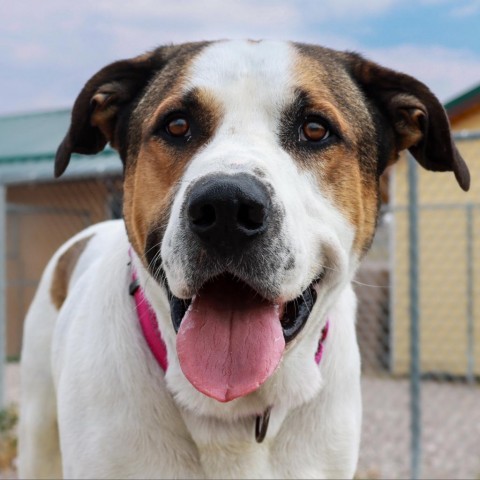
(38, 213)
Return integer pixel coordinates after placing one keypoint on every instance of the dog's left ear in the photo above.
(418, 120)
(100, 104)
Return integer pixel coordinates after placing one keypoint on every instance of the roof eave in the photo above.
(463, 103)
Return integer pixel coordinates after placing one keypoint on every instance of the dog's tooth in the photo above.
(190, 306)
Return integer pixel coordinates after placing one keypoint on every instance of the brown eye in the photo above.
(313, 131)
(178, 127)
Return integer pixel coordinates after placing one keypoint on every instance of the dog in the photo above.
(211, 333)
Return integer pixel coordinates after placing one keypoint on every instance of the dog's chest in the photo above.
(251, 460)
(229, 449)
(237, 461)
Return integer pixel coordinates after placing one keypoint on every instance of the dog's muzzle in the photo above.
(232, 332)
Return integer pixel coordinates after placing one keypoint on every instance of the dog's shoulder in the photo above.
(77, 255)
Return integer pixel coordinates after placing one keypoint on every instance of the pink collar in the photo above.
(148, 323)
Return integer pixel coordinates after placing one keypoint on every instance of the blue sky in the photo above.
(49, 48)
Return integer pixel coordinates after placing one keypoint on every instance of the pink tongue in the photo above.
(230, 340)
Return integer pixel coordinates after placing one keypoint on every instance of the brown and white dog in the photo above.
(250, 196)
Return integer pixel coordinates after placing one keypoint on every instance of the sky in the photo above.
(50, 48)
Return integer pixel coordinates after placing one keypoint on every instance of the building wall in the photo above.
(40, 218)
(468, 121)
(445, 303)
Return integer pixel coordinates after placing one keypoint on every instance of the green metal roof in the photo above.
(34, 136)
(464, 101)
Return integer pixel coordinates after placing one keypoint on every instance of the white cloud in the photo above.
(470, 8)
(211, 12)
(29, 52)
(58, 16)
(54, 46)
(448, 72)
(459, 8)
(355, 8)
(437, 2)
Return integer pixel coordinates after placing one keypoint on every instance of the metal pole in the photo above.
(415, 373)
(3, 303)
(470, 298)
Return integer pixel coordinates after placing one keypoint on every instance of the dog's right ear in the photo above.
(96, 110)
(416, 118)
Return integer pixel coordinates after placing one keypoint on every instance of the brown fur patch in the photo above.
(152, 179)
(345, 170)
(64, 269)
(152, 168)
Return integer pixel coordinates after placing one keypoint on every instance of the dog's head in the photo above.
(252, 187)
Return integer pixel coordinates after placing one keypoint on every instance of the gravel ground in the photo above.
(450, 429)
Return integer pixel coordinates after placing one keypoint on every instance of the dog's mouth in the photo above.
(230, 339)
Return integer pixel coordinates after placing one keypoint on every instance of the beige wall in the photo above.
(443, 267)
(41, 218)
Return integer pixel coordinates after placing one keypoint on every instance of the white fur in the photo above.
(119, 416)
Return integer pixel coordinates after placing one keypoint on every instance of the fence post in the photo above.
(415, 373)
(470, 297)
(3, 296)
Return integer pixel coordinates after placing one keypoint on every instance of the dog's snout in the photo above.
(228, 211)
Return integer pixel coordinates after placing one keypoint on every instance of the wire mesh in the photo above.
(448, 429)
(40, 217)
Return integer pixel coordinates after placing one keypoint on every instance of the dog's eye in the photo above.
(178, 126)
(313, 130)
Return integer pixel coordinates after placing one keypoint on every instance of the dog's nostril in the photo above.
(202, 215)
(251, 217)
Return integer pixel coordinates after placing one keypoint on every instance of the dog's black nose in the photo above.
(228, 211)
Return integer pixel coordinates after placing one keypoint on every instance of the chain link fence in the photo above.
(421, 376)
(442, 437)
(40, 217)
